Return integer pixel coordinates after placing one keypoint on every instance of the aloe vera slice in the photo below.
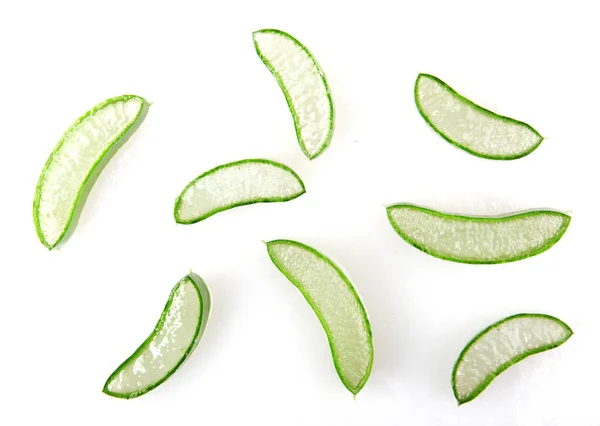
(471, 127)
(474, 239)
(337, 305)
(82, 151)
(236, 184)
(175, 336)
(502, 345)
(304, 85)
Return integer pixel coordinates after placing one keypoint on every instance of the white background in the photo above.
(70, 316)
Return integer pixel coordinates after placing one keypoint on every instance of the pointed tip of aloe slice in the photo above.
(40, 234)
(107, 391)
(462, 401)
(261, 31)
(313, 156)
(422, 75)
(48, 246)
(355, 391)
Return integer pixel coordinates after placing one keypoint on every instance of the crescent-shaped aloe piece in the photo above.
(304, 85)
(337, 305)
(475, 239)
(236, 184)
(502, 345)
(471, 127)
(79, 156)
(175, 336)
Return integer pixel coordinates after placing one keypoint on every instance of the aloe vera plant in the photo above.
(81, 153)
(478, 239)
(304, 85)
(336, 303)
(236, 184)
(471, 127)
(502, 345)
(172, 341)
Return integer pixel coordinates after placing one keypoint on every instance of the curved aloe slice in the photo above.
(83, 150)
(471, 127)
(304, 86)
(474, 239)
(501, 345)
(337, 305)
(236, 184)
(175, 336)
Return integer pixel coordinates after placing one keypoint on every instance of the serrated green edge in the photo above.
(36, 201)
(550, 242)
(243, 203)
(507, 364)
(288, 98)
(365, 317)
(480, 109)
(144, 346)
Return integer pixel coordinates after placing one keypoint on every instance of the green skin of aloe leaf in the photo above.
(172, 341)
(337, 305)
(236, 184)
(468, 126)
(556, 333)
(63, 163)
(480, 240)
(299, 80)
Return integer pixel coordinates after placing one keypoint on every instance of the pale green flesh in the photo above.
(67, 170)
(338, 307)
(479, 131)
(237, 184)
(305, 86)
(175, 336)
(474, 240)
(501, 346)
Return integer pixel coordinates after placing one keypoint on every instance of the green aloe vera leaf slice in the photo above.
(336, 303)
(502, 345)
(304, 85)
(476, 239)
(173, 339)
(471, 127)
(76, 161)
(236, 184)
